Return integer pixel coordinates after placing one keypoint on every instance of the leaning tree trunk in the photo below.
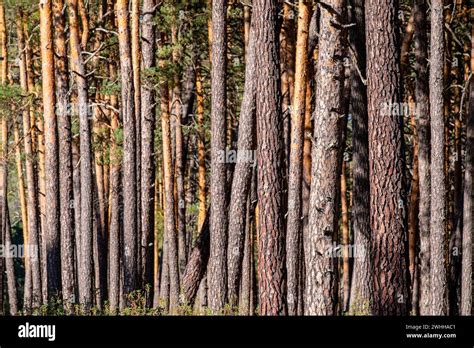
(271, 243)
(217, 271)
(66, 193)
(423, 130)
(197, 264)
(86, 228)
(242, 177)
(386, 161)
(324, 197)
(438, 277)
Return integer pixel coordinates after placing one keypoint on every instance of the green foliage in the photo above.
(109, 87)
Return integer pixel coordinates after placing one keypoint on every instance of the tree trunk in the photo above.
(86, 228)
(136, 57)
(9, 262)
(170, 235)
(217, 272)
(31, 183)
(468, 204)
(423, 127)
(177, 112)
(24, 217)
(361, 287)
(52, 233)
(270, 152)
(147, 146)
(294, 228)
(115, 230)
(242, 177)
(66, 192)
(438, 277)
(386, 161)
(201, 135)
(129, 151)
(326, 167)
(197, 264)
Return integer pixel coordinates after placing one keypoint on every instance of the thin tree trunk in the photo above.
(423, 132)
(242, 177)
(24, 217)
(217, 271)
(136, 62)
(6, 228)
(31, 183)
(115, 203)
(294, 228)
(51, 233)
(148, 161)
(346, 283)
(177, 112)
(86, 176)
(361, 285)
(201, 135)
(66, 192)
(468, 204)
(170, 235)
(129, 151)
(438, 277)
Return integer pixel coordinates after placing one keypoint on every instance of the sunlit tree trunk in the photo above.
(32, 192)
(294, 227)
(51, 233)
